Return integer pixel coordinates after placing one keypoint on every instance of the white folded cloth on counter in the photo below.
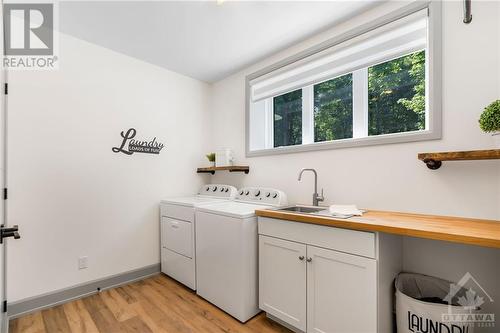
(345, 210)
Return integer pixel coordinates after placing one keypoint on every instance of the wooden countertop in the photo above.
(446, 228)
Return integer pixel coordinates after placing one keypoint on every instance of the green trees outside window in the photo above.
(396, 103)
(333, 109)
(396, 95)
(288, 119)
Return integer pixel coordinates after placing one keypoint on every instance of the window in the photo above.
(370, 89)
(396, 95)
(287, 110)
(333, 109)
(394, 92)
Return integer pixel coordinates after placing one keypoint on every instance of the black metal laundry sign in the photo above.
(130, 145)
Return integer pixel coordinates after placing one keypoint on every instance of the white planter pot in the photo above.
(496, 139)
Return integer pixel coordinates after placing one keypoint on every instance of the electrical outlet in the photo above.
(83, 262)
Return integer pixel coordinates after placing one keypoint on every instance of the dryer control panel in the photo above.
(218, 191)
(264, 195)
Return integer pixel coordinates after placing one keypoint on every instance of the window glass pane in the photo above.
(333, 109)
(288, 119)
(396, 95)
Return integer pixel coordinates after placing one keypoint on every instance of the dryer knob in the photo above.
(214, 189)
(207, 189)
(241, 192)
(247, 192)
(257, 193)
(227, 189)
(268, 194)
(222, 189)
(275, 195)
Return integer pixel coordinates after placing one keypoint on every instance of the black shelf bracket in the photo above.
(245, 171)
(432, 164)
(212, 172)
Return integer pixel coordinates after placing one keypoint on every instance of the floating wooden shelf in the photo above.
(233, 168)
(434, 160)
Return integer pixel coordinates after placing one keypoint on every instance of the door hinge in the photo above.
(6, 89)
(5, 193)
(4, 307)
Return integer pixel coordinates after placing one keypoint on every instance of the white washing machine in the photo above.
(177, 228)
(227, 250)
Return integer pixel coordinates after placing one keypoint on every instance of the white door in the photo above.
(341, 292)
(3, 145)
(282, 280)
(3, 315)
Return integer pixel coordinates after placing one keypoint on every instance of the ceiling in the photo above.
(202, 39)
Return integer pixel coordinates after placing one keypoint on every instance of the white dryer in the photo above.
(177, 228)
(227, 250)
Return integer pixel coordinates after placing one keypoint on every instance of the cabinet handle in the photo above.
(309, 259)
(301, 258)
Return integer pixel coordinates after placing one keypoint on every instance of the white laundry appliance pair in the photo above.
(224, 247)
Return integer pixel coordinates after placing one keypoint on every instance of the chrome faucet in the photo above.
(316, 197)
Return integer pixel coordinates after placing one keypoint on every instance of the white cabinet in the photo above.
(282, 280)
(317, 290)
(341, 292)
(319, 279)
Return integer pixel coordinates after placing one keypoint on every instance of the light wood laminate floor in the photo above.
(156, 304)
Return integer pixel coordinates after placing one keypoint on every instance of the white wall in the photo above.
(390, 177)
(69, 193)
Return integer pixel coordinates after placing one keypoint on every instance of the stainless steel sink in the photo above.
(313, 210)
(303, 209)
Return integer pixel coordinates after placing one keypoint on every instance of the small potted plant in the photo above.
(211, 158)
(489, 121)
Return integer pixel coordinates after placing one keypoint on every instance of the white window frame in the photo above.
(360, 93)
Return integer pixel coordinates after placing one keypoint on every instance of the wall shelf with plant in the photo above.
(212, 168)
(489, 122)
(232, 168)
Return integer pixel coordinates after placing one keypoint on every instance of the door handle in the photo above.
(9, 232)
(301, 258)
(309, 259)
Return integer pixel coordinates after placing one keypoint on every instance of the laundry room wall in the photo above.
(390, 177)
(69, 192)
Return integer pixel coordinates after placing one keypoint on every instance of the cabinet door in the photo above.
(178, 236)
(282, 280)
(341, 292)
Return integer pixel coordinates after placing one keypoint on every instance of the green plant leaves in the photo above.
(490, 118)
